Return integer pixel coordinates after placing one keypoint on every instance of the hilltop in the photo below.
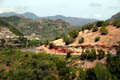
(72, 20)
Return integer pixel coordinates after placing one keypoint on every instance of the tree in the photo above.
(67, 39)
(91, 55)
(91, 74)
(97, 39)
(68, 54)
(81, 40)
(103, 31)
(73, 33)
(102, 73)
(94, 29)
(99, 23)
(101, 54)
(51, 45)
(114, 66)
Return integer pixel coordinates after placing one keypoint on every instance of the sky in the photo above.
(95, 9)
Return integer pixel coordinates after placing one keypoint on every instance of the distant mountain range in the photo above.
(72, 20)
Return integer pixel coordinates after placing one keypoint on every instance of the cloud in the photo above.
(96, 5)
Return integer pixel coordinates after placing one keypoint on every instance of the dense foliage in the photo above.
(17, 65)
(12, 29)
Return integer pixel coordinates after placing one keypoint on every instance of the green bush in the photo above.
(103, 31)
(97, 39)
(113, 65)
(94, 29)
(89, 55)
(105, 23)
(102, 73)
(68, 54)
(88, 26)
(99, 23)
(81, 40)
(74, 33)
(67, 39)
(101, 54)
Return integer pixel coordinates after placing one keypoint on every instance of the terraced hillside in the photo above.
(44, 28)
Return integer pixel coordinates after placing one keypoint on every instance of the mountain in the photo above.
(25, 15)
(30, 15)
(73, 20)
(116, 16)
(43, 28)
(7, 14)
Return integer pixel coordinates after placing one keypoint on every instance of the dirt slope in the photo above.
(111, 39)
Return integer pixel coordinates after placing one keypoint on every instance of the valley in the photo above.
(52, 49)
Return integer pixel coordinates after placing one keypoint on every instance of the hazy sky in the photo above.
(98, 9)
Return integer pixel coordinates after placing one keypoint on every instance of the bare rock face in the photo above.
(6, 33)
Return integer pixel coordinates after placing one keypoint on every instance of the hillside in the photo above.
(109, 40)
(87, 39)
(44, 28)
(73, 20)
(7, 28)
(116, 16)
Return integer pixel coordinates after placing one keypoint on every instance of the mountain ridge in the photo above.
(72, 20)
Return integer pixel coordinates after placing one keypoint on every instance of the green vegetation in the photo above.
(103, 31)
(99, 23)
(12, 29)
(45, 29)
(97, 39)
(68, 54)
(94, 29)
(101, 54)
(89, 55)
(67, 39)
(17, 65)
(81, 40)
(74, 33)
(116, 23)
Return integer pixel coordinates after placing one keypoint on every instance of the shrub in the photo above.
(97, 39)
(99, 23)
(103, 31)
(91, 55)
(105, 23)
(88, 26)
(74, 33)
(68, 54)
(101, 54)
(83, 56)
(102, 73)
(81, 40)
(94, 29)
(68, 39)
(51, 45)
(91, 74)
